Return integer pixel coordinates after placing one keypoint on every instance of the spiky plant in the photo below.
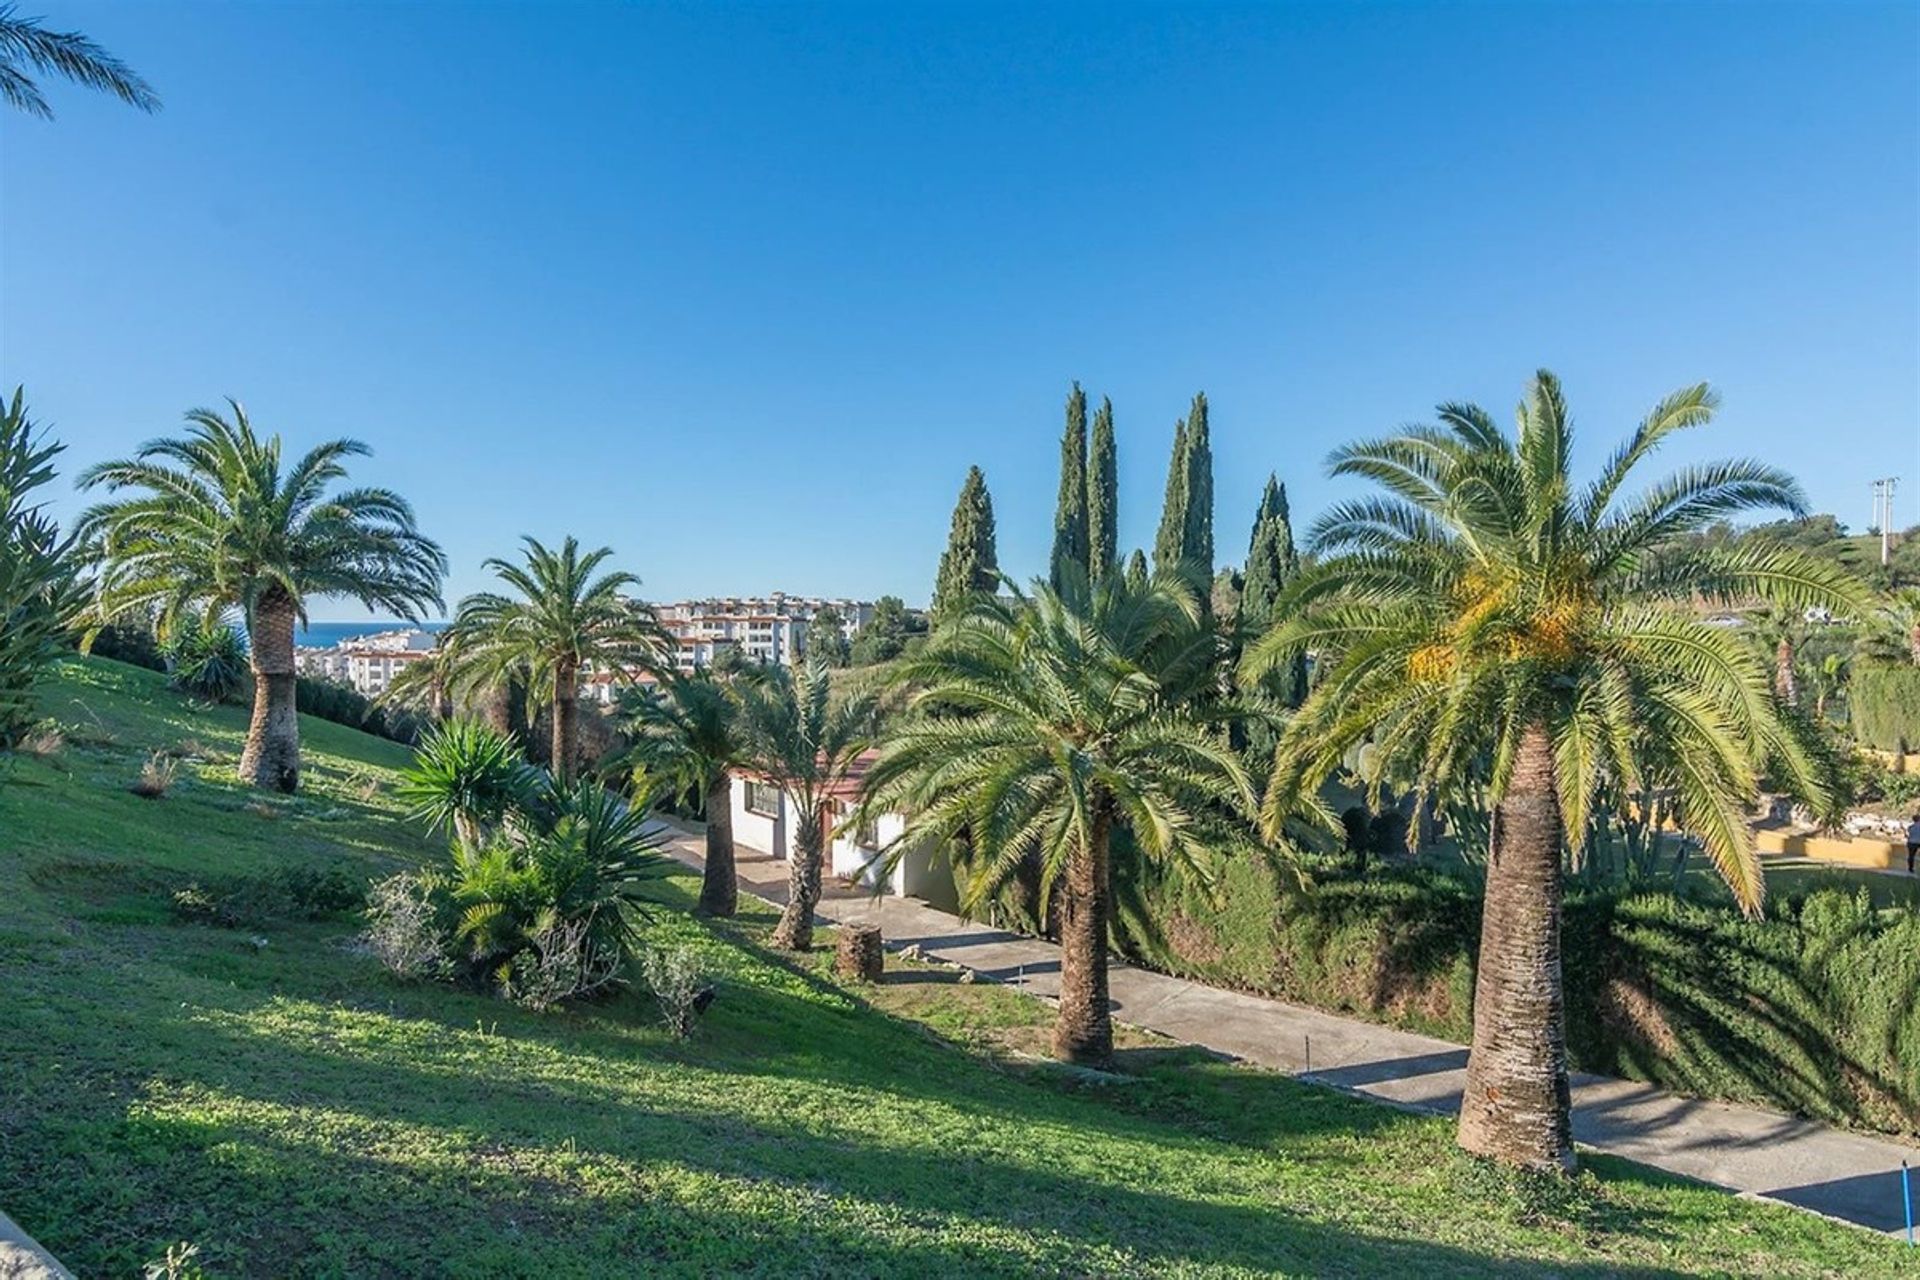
(689, 735)
(206, 662)
(39, 601)
(1489, 622)
(467, 776)
(806, 743)
(219, 524)
(1039, 722)
(581, 860)
(559, 622)
(27, 46)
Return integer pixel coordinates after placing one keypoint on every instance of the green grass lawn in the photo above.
(292, 1111)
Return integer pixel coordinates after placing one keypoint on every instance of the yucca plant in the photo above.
(1041, 723)
(1487, 622)
(469, 777)
(206, 662)
(580, 863)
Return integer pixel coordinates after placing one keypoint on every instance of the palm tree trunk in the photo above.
(1083, 1029)
(795, 930)
(566, 711)
(1784, 684)
(719, 884)
(1516, 1107)
(272, 755)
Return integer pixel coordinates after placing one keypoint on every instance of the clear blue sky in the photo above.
(743, 291)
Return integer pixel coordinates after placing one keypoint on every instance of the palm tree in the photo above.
(219, 524)
(1488, 623)
(1039, 723)
(689, 734)
(25, 44)
(561, 622)
(807, 744)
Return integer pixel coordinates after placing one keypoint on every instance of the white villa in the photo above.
(763, 822)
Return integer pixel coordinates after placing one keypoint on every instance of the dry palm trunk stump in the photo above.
(859, 955)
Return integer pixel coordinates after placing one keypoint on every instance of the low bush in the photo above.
(678, 979)
(404, 930)
(287, 893)
(343, 704)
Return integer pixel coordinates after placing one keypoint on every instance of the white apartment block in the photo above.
(765, 628)
(368, 663)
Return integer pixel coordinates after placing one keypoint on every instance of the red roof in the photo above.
(847, 788)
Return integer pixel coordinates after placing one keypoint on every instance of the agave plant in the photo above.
(470, 777)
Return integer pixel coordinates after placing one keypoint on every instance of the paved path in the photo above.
(1744, 1149)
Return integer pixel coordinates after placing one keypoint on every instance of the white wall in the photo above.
(755, 831)
(924, 873)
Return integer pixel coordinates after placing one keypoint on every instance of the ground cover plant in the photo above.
(288, 1109)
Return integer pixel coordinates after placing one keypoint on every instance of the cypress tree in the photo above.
(1170, 545)
(1271, 563)
(1103, 497)
(1196, 542)
(1070, 512)
(970, 564)
(1137, 569)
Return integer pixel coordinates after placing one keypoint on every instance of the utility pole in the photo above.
(1883, 512)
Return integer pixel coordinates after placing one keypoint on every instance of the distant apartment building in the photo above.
(368, 663)
(764, 628)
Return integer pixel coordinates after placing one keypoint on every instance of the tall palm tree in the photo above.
(560, 622)
(26, 45)
(1041, 722)
(690, 735)
(219, 524)
(1490, 623)
(807, 743)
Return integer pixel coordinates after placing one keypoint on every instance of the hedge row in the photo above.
(1884, 701)
(1812, 1009)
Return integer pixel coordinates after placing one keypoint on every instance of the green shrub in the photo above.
(343, 704)
(1885, 702)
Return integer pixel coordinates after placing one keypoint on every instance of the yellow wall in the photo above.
(1841, 849)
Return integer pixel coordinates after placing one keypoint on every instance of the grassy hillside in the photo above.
(270, 1095)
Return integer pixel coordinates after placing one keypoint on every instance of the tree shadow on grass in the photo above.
(573, 1182)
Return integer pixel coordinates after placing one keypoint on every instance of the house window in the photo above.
(764, 799)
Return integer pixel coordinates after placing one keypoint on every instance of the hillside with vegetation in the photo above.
(265, 1090)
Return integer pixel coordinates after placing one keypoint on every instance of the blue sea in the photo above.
(325, 635)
